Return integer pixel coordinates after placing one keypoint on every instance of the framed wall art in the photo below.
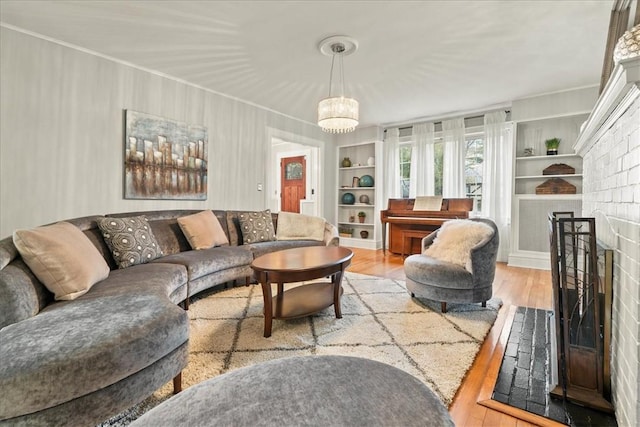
(164, 159)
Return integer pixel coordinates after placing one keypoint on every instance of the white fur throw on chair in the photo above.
(455, 239)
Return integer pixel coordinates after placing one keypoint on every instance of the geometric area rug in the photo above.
(380, 321)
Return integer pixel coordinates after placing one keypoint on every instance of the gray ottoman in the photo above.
(305, 391)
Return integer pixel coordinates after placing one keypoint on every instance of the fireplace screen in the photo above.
(582, 299)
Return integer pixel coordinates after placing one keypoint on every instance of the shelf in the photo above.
(575, 175)
(527, 196)
(550, 196)
(557, 156)
(357, 188)
(357, 167)
(347, 182)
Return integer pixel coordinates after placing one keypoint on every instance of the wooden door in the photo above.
(293, 178)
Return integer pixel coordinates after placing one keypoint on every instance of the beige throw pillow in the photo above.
(62, 258)
(203, 230)
(293, 226)
(456, 238)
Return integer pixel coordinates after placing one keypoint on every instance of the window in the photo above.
(438, 154)
(473, 164)
(405, 169)
(293, 171)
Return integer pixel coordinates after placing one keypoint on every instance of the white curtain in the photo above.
(422, 181)
(498, 176)
(453, 163)
(392, 164)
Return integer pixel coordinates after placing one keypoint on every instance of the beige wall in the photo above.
(61, 138)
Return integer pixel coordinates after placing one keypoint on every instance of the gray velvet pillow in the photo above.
(130, 239)
(256, 227)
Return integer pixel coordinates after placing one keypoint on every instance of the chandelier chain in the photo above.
(341, 75)
(333, 59)
(338, 50)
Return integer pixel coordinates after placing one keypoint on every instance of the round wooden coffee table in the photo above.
(298, 265)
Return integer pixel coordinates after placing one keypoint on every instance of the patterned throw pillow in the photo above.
(130, 239)
(256, 227)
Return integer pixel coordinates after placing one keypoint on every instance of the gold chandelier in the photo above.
(338, 114)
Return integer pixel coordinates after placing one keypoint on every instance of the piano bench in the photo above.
(412, 234)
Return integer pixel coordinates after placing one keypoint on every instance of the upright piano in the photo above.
(404, 221)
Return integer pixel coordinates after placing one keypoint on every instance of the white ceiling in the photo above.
(416, 59)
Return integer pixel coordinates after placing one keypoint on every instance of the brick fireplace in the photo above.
(610, 146)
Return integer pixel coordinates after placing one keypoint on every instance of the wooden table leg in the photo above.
(404, 245)
(279, 299)
(337, 285)
(384, 238)
(268, 308)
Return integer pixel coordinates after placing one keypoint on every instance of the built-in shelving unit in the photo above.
(529, 237)
(528, 171)
(363, 162)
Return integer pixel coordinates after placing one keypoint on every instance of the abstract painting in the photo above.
(164, 159)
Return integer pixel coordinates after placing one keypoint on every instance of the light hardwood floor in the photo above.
(516, 287)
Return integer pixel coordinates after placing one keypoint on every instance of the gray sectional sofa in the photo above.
(80, 362)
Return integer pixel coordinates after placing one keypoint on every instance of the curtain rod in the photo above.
(440, 121)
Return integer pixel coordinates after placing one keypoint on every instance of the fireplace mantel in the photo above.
(621, 90)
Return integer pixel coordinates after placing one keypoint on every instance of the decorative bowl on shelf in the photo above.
(364, 199)
(348, 199)
(366, 181)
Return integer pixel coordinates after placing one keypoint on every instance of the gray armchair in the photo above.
(442, 281)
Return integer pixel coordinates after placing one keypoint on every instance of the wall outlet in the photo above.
(259, 187)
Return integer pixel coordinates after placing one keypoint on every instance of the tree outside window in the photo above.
(405, 169)
(474, 158)
(473, 164)
(438, 154)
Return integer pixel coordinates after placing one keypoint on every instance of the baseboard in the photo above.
(537, 260)
(355, 242)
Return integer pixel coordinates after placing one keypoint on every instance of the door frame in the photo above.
(285, 144)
